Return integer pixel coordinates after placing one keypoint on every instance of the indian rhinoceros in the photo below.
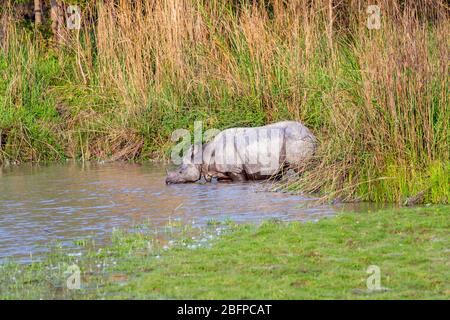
(241, 154)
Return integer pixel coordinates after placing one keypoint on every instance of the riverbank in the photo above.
(327, 259)
(377, 99)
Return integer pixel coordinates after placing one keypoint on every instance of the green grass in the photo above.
(323, 260)
(326, 260)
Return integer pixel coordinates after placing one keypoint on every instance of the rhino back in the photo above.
(259, 150)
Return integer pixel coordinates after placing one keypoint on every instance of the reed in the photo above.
(378, 100)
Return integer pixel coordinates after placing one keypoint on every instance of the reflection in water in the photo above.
(42, 204)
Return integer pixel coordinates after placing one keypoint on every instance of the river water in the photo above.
(61, 203)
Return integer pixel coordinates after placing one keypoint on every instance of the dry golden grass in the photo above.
(378, 100)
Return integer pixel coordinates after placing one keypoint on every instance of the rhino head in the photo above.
(187, 172)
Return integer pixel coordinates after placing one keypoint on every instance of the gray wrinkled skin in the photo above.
(186, 173)
(291, 142)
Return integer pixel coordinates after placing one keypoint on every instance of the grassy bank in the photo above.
(378, 100)
(327, 260)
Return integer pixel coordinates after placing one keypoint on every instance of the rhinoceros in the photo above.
(241, 154)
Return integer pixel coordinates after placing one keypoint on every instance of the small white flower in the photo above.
(76, 254)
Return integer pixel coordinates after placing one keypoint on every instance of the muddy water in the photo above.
(40, 205)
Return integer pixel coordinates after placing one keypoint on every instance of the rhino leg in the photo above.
(218, 175)
(237, 177)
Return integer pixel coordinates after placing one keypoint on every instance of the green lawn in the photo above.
(325, 260)
(328, 259)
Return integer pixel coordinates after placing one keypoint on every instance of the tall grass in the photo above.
(27, 127)
(378, 100)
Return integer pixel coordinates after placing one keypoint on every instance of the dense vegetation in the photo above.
(378, 100)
